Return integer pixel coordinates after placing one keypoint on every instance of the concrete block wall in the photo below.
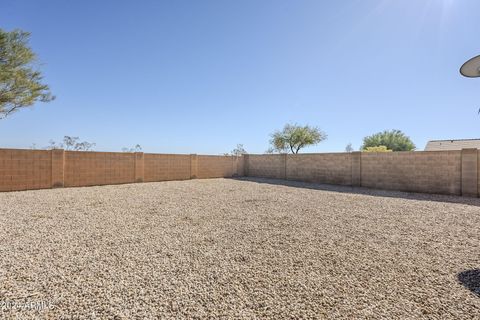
(218, 166)
(442, 172)
(331, 168)
(58, 168)
(164, 167)
(469, 186)
(239, 163)
(139, 167)
(25, 169)
(356, 166)
(267, 166)
(98, 168)
(38, 169)
(478, 173)
(427, 172)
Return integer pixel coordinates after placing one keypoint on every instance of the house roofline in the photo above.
(452, 140)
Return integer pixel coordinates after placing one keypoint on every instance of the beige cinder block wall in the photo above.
(164, 167)
(37, 169)
(446, 172)
(478, 172)
(443, 172)
(428, 172)
(267, 166)
(58, 168)
(469, 171)
(331, 168)
(219, 166)
(98, 168)
(25, 169)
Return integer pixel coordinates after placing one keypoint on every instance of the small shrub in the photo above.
(377, 149)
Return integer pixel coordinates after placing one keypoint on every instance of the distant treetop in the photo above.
(394, 140)
(294, 137)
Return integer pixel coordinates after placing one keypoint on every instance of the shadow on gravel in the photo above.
(367, 191)
(471, 280)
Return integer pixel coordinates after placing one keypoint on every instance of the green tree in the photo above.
(394, 140)
(294, 137)
(20, 81)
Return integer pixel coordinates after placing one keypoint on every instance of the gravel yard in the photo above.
(224, 248)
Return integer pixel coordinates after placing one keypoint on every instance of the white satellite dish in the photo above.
(471, 68)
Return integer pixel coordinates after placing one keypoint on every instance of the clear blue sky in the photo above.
(202, 76)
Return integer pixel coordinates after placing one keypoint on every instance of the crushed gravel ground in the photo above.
(240, 249)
